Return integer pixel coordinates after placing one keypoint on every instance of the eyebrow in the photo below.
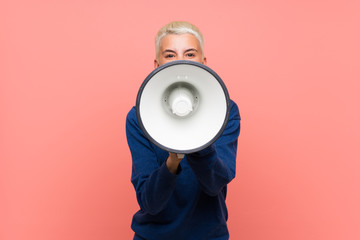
(191, 49)
(172, 51)
(168, 50)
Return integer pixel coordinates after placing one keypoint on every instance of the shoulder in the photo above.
(131, 119)
(131, 116)
(234, 110)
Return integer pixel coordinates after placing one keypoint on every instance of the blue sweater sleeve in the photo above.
(215, 165)
(153, 182)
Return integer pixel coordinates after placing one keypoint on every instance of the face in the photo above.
(179, 47)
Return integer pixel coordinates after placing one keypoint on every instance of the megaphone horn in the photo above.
(182, 106)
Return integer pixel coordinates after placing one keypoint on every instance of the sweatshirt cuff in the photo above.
(205, 158)
(204, 152)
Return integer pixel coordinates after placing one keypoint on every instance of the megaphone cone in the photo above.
(183, 106)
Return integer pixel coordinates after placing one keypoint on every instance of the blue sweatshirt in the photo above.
(189, 205)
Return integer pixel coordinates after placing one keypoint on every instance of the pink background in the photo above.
(70, 71)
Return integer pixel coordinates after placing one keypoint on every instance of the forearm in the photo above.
(153, 182)
(213, 170)
(154, 191)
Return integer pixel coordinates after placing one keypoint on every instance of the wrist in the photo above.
(173, 163)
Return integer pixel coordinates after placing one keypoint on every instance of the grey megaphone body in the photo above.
(183, 106)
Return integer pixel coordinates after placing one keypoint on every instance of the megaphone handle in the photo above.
(180, 155)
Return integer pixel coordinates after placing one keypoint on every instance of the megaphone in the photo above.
(182, 106)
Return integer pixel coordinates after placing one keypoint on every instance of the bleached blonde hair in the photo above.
(178, 27)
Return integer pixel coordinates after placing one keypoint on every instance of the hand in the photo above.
(173, 162)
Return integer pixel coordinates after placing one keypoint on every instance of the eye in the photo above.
(170, 55)
(191, 55)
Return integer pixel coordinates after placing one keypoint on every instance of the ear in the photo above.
(156, 64)
(204, 61)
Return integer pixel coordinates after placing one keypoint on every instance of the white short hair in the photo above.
(178, 27)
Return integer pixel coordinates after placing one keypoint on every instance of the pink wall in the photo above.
(70, 71)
